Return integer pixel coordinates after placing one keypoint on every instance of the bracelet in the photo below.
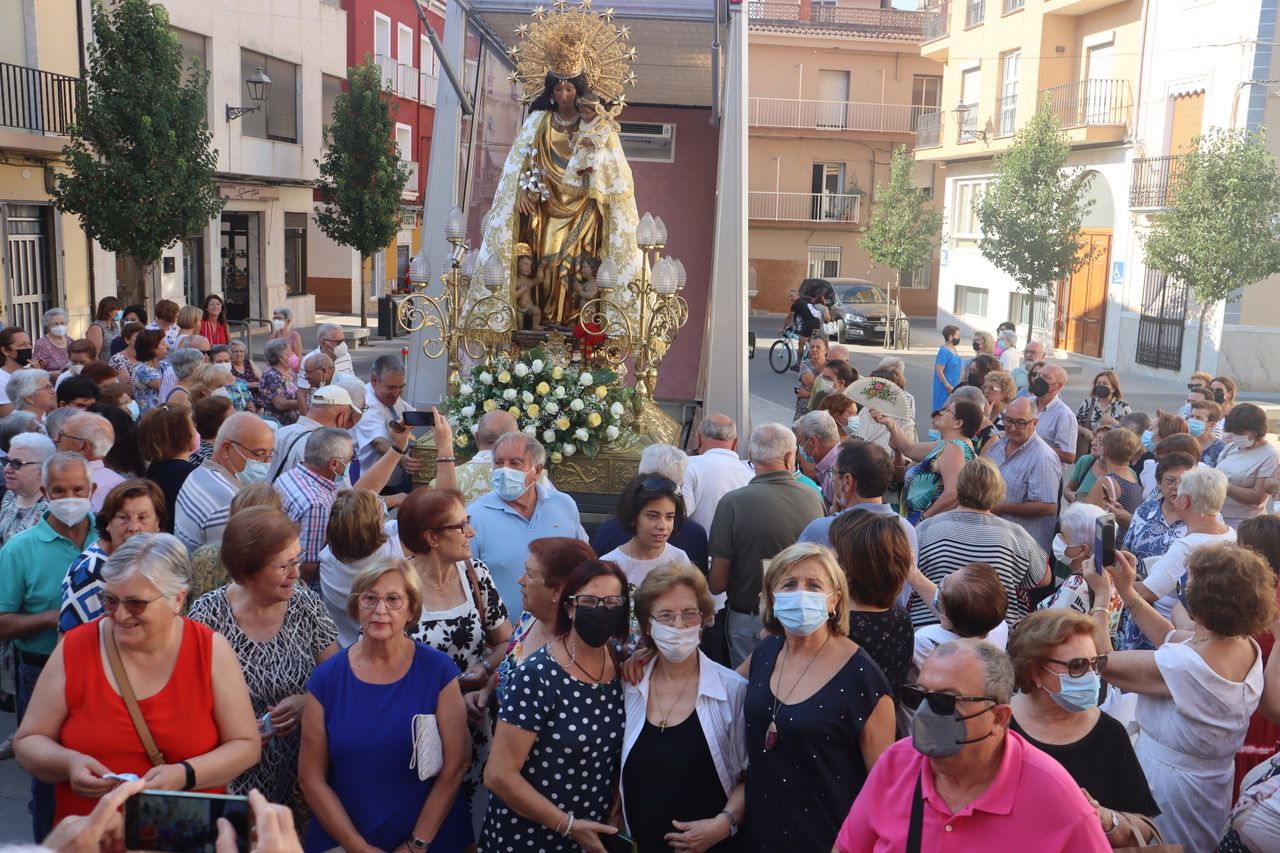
(416, 843)
(568, 830)
(191, 775)
(488, 667)
(1115, 823)
(441, 459)
(733, 822)
(1097, 610)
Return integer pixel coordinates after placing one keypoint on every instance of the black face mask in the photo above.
(595, 625)
(977, 347)
(23, 356)
(974, 381)
(1038, 387)
(953, 341)
(1101, 391)
(1218, 394)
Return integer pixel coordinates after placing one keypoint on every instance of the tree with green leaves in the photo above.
(140, 166)
(904, 226)
(361, 176)
(1222, 229)
(1031, 213)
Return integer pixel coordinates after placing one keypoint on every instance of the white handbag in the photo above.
(428, 751)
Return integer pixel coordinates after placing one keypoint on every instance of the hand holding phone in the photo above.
(184, 820)
(1104, 542)
(418, 419)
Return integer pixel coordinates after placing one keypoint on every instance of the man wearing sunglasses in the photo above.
(964, 781)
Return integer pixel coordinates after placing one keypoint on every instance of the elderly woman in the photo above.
(563, 708)
(361, 780)
(241, 367)
(999, 390)
(130, 508)
(195, 377)
(213, 324)
(167, 436)
(875, 555)
(684, 750)
(1057, 668)
(1088, 467)
(1078, 527)
(1198, 689)
(1248, 461)
(24, 501)
(809, 758)
(462, 613)
(78, 728)
(1116, 488)
(930, 486)
(1007, 349)
(31, 390)
(237, 389)
(1104, 405)
(207, 571)
(282, 330)
(810, 368)
(987, 430)
(356, 536)
(1155, 524)
(50, 350)
(279, 631)
(278, 388)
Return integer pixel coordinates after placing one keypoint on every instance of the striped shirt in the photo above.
(307, 497)
(1032, 473)
(204, 505)
(952, 540)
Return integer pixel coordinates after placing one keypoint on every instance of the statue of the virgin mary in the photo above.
(566, 189)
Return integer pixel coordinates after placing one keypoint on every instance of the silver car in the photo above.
(864, 308)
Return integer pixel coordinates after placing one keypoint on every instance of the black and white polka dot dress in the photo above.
(575, 760)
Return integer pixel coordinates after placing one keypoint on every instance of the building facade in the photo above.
(834, 88)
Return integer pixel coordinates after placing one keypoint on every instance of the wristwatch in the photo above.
(733, 823)
(417, 843)
(1115, 822)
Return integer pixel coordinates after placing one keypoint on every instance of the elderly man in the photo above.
(473, 475)
(331, 341)
(751, 525)
(860, 478)
(242, 452)
(818, 440)
(1032, 474)
(964, 781)
(91, 436)
(1033, 352)
(197, 342)
(715, 471)
(307, 491)
(519, 510)
(32, 566)
(331, 406)
(383, 407)
(1057, 423)
(669, 462)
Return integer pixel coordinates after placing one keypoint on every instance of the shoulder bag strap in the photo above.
(131, 702)
(285, 458)
(482, 606)
(916, 829)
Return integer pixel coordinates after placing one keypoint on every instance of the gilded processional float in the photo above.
(564, 313)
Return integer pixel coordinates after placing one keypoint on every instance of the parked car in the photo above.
(863, 309)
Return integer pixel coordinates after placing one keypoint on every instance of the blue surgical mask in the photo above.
(254, 472)
(119, 315)
(801, 612)
(1078, 692)
(508, 483)
(1149, 441)
(134, 410)
(804, 454)
(1197, 428)
(1185, 411)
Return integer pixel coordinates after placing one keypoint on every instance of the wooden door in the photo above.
(1082, 301)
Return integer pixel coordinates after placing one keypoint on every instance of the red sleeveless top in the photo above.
(180, 716)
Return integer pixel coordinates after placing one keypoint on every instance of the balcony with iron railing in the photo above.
(1153, 180)
(929, 130)
(37, 102)
(834, 208)
(1092, 110)
(937, 21)
(834, 115)
(779, 14)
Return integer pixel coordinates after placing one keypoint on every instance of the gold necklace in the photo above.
(666, 715)
(564, 124)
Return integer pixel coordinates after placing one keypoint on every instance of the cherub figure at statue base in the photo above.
(526, 285)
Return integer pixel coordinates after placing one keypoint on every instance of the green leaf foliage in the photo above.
(1030, 214)
(361, 176)
(1222, 228)
(904, 226)
(140, 166)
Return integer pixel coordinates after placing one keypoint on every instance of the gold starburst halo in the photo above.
(572, 40)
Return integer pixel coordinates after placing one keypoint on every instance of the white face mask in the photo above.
(277, 324)
(341, 351)
(224, 366)
(58, 331)
(70, 511)
(75, 369)
(674, 644)
(221, 392)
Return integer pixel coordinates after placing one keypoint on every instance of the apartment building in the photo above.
(46, 254)
(834, 88)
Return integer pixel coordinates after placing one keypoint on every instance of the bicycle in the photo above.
(785, 351)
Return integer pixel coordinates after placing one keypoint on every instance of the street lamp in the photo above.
(259, 86)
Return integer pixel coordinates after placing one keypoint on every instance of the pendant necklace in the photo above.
(573, 661)
(564, 124)
(771, 733)
(662, 725)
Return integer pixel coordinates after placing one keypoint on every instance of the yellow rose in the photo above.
(557, 457)
(532, 410)
(562, 423)
(593, 419)
(514, 411)
(602, 391)
(490, 405)
(543, 388)
(557, 373)
(461, 440)
(504, 377)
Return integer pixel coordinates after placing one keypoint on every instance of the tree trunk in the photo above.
(891, 314)
(1204, 320)
(364, 320)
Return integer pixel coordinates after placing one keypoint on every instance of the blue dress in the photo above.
(950, 362)
(368, 727)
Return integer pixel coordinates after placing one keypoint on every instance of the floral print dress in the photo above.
(275, 384)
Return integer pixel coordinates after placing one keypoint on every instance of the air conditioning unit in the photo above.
(648, 140)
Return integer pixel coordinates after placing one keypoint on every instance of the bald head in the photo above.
(199, 342)
(1021, 407)
(87, 434)
(247, 429)
(717, 430)
(1057, 379)
(838, 352)
(492, 426)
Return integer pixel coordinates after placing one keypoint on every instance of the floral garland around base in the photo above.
(567, 409)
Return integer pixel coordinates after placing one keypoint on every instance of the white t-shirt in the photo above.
(636, 570)
(1164, 573)
(337, 578)
(1009, 360)
(1242, 467)
(373, 424)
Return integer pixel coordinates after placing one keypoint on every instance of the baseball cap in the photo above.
(333, 395)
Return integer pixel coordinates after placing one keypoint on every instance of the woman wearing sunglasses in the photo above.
(553, 769)
(186, 679)
(652, 511)
(24, 501)
(1197, 690)
(1057, 669)
(930, 486)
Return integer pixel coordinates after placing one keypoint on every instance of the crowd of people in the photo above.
(854, 638)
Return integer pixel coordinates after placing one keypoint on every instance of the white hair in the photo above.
(972, 394)
(665, 460)
(531, 448)
(94, 429)
(64, 459)
(713, 428)
(38, 444)
(324, 444)
(184, 361)
(47, 320)
(161, 558)
(1008, 336)
(1207, 488)
(1078, 522)
(283, 312)
(894, 362)
(274, 350)
(22, 384)
(771, 443)
(819, 425)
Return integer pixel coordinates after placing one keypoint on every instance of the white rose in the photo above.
(568, 449)
(468, 410)
(616, 410)
(509, 394)
(611, 432)
(581, 434)
(576, 405)
(537, 365)
(464, 390)
(531, 431)
(548, 435)
(551, 408)
(559, 392)
(486, 378)
(475, 428)
(527, 397)
(521, 370)
(585, 379)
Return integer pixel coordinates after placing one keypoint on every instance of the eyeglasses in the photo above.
(940, 703)
(17, 464)
(691, 616)
(287, 567)
(370, 601)
(951, 412)
(250, 453)
(134, 606)
(1017, 422)
(1077, 667)
(62, 435)
(611, 602)
(460, 526)
(332, 342)
(660, 484)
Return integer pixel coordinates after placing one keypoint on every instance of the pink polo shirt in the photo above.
(1032, 804)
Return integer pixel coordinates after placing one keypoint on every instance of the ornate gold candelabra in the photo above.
(659, 310)
(448, 331)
